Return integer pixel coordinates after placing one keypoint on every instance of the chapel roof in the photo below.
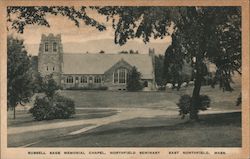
(100, 63)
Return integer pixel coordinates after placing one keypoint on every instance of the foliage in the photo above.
(129, 52)
(198, 34)
(134, 80)
(133, 52)
(18, 17)
(159, 71)
(123, 52)
(37, 82)
(185, 103)
(52, 105)
(49, 86)
(173, 64)
(19, 83)
(36, 76)
(102, 52)
(239, 100)
(57, 108)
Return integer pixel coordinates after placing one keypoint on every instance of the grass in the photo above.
(163, 99)
(118, 98)
(31, 137)
(218, 130)
(108, 99)
(25, 119)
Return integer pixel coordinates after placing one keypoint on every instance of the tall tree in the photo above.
(19, 80)
(173, 63)
(213, 34)
(203, 33)
(134, 80)
(159, 71)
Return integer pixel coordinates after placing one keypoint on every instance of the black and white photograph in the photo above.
(125, 76)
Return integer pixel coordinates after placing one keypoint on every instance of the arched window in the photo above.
(46, 47)
(69, 79)
(98, 79)
(84, 79)
(120, 76)
(54, 47)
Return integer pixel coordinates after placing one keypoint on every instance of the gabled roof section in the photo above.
(119, 64)
(100, 63)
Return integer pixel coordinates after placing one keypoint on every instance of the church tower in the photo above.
(50, 56)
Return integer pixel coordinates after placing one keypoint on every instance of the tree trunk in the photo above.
(14, 112)
(195, 98)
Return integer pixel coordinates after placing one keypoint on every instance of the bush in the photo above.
(239, 100)
(185, 103)
(58, 107)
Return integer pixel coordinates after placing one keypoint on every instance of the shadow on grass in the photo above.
(210, 120)
(215, 130)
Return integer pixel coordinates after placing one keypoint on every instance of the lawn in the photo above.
(162, 99)
(120, 99)
(220, 130)
(24, 118)
(166, 131)
(27, 138)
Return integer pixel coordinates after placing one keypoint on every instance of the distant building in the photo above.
(92, 70)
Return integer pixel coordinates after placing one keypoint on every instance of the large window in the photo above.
(98, 79)
(46, 47)
(54, 47)
(84, 79)
(120, 76)
(69, 79)
(116, 77)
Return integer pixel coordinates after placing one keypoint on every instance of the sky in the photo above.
(84, 35)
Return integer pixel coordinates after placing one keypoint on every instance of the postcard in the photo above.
(122, 79)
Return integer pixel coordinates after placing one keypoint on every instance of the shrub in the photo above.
(64, 107)
(185, 102)
(239, 100)
(58, 107)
